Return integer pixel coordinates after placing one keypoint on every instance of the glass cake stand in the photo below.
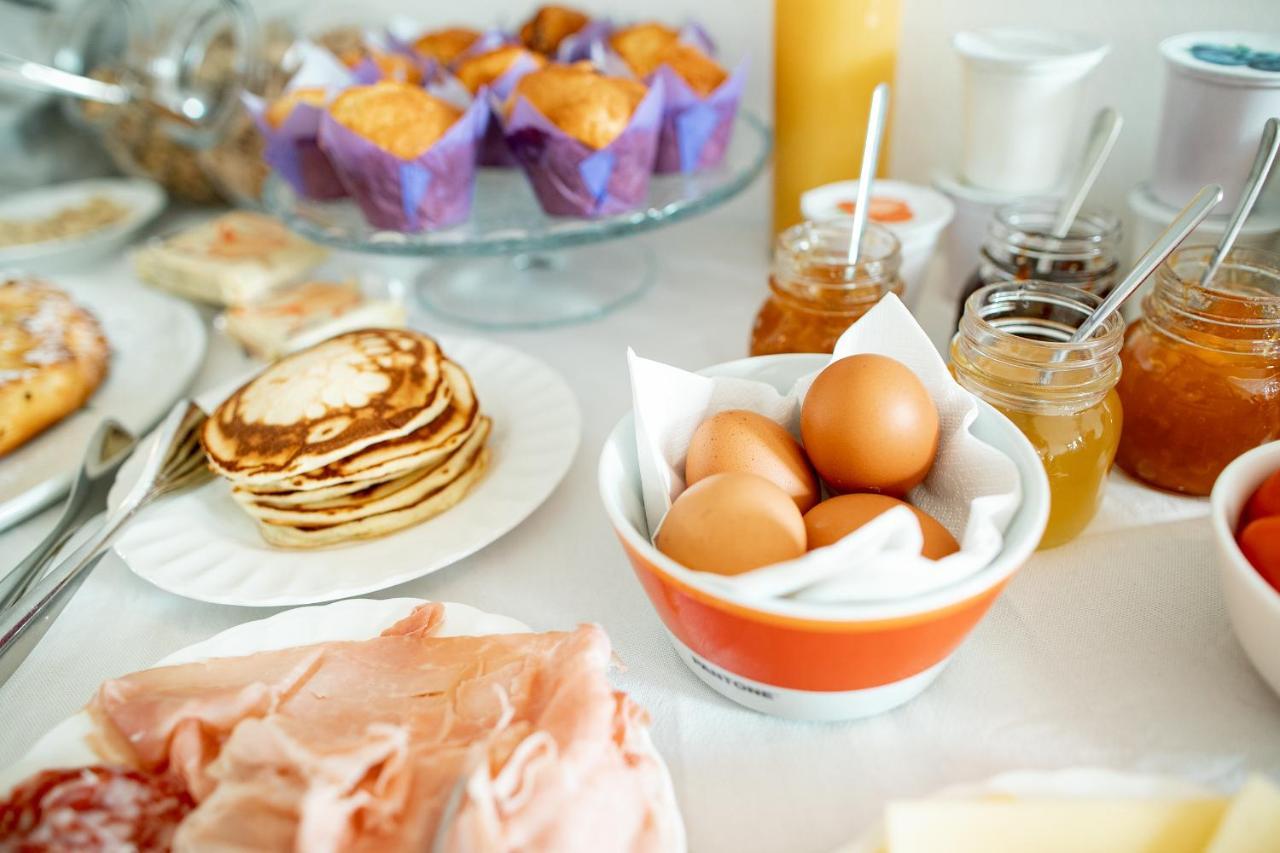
(511, 265)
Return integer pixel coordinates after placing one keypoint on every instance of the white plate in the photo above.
(202, 545)
(144, 199)
(65, 745)
(157, 345)
(1069, 783)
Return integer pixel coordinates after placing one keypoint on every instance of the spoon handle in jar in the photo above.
(1262, 163)
(1102, 138)
(1179, 229)
(870, 159)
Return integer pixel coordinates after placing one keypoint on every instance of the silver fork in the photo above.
(174, 463)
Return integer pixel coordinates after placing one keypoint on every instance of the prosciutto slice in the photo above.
(406, 741)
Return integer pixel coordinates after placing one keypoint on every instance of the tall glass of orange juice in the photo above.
(828, 57)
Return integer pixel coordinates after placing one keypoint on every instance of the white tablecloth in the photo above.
(1112, 651)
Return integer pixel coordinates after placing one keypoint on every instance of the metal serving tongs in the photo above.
(107, 450)
(174, 463)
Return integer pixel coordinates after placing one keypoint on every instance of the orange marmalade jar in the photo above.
(1201, 380)
(815, 293)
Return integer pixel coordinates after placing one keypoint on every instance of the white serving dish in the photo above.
(1254, 607)
(144, 200)
(931, 213)
(68, 744)
(202, 545)
(1022, 94)
(1212, 117)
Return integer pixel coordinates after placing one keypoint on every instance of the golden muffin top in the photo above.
(587, 105)
(278, 111)
(483, 68)
(549, 26)
(447, 44)
(703, 74)
(399, 118)
(392, 66)
(640, 44)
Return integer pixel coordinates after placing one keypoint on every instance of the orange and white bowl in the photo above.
(816, 661)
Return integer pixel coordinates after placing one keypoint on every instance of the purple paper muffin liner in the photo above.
(433, 190)
(577, 46)
(570, 178)
(291, 150)
(695, 130)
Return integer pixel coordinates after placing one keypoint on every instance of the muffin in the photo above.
(406, 156)
(582, 102)
(586, 141)
(549, 26)
(401, 119)
(485, 69)
(640, 44)
(447, 45)
(701, 97)
(386, 66)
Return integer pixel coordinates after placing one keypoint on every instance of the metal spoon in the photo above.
(1258, 173)
(175, 462)
(108, 448)
(36, 76)
(1102, 138)
(1179, 229)
(870, 159)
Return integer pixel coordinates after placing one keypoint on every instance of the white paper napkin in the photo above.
(973, 489)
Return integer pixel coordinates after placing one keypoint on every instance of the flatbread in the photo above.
(430, 506)
(53, 356)
(326, 403)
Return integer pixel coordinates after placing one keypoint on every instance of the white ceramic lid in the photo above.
(1022, 50)
(928, 209)
(1227, 57)
(1144, 204)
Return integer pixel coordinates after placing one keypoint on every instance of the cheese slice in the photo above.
(1252, 823)
(1053, 826)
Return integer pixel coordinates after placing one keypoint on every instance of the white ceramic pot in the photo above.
(927, 213)
(1214, 112)
(1022, 96)
(1254, 607)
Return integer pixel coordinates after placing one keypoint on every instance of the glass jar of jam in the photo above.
(1201, 380)
(1019, 247)
(1013, 350)
(815, 293)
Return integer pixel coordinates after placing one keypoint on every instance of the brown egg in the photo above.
(739, 440)
(732, 523)
(835, 518)
(869, 425)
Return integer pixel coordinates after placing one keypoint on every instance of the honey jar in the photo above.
(1013, 349)
(1019, 246)
(815, 293)
(1201, 381)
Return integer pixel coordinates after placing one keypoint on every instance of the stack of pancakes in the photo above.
(358, 436)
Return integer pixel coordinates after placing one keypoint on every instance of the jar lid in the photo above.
(1030, 51)
(912, 212)
(1226, 57)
